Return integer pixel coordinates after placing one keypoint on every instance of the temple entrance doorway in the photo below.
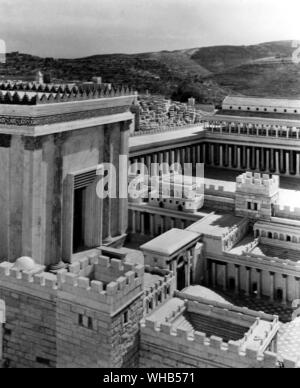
(78, 220)
(181, 281)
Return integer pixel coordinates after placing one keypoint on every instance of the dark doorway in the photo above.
(254, 288)
(78, 226)
(147, 223)
(279, 294)
(231, 284)
(181, 276)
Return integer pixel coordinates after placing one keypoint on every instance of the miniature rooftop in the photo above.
(261, 114)
(215, 224)
(35, 94)
(170, 242)
(196, 314)
(284, 103)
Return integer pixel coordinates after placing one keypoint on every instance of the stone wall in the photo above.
(186, 350)
(69, 319)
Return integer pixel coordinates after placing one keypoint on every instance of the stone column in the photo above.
(133, 225)
(142, 220)
(178, 159)
(188, 270)
(182, 158)
(298, 165)
(229, 157)
(204, 153)
(297, 296)
(277, 165)
(237, 279)
(281, 167)
(182, 224)
(123, 174)
(167, 160)
(213, 274)
(194, 156)
(248, 280)
(287, 163)
(212, 154)
(284, 289)
(258, 160)
(225, 276)
(272, 284)
(188, 154)
(198, 153)
(267, 165)
(239, 162)
(172, 157)
(248, 166)
(259, 282)
(272, 160)
(221, 156)
(253, 158)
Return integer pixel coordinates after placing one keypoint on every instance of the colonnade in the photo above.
(231, 156)
(278, 287)
(145, 222)
(248, 129)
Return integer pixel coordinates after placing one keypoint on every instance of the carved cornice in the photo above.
(60, 118)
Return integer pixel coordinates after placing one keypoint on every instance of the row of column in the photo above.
(269, 160)
(152, 225)
(252, 130)
(278, 293)
(192, 154)
(253, 158)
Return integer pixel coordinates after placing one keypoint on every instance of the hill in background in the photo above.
(207, 73)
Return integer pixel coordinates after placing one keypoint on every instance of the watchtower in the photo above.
(256, 195)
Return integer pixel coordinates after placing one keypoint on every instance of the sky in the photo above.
(77, 28)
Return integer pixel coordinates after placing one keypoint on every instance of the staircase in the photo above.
(182, 323)
(220, 328)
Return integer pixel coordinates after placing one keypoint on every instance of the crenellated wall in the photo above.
(73, 319)
(188, 348)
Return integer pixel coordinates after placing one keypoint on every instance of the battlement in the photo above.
(287, 212)
(198, 345)
(106, 284)
(37, 94)
(159, 287)
(255, 183)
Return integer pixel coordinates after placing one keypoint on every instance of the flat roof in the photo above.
(170, 242)
(165, 138)
(215, 224)
(258, 114)
(288, 103)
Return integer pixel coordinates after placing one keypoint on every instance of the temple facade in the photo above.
(53, 140)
